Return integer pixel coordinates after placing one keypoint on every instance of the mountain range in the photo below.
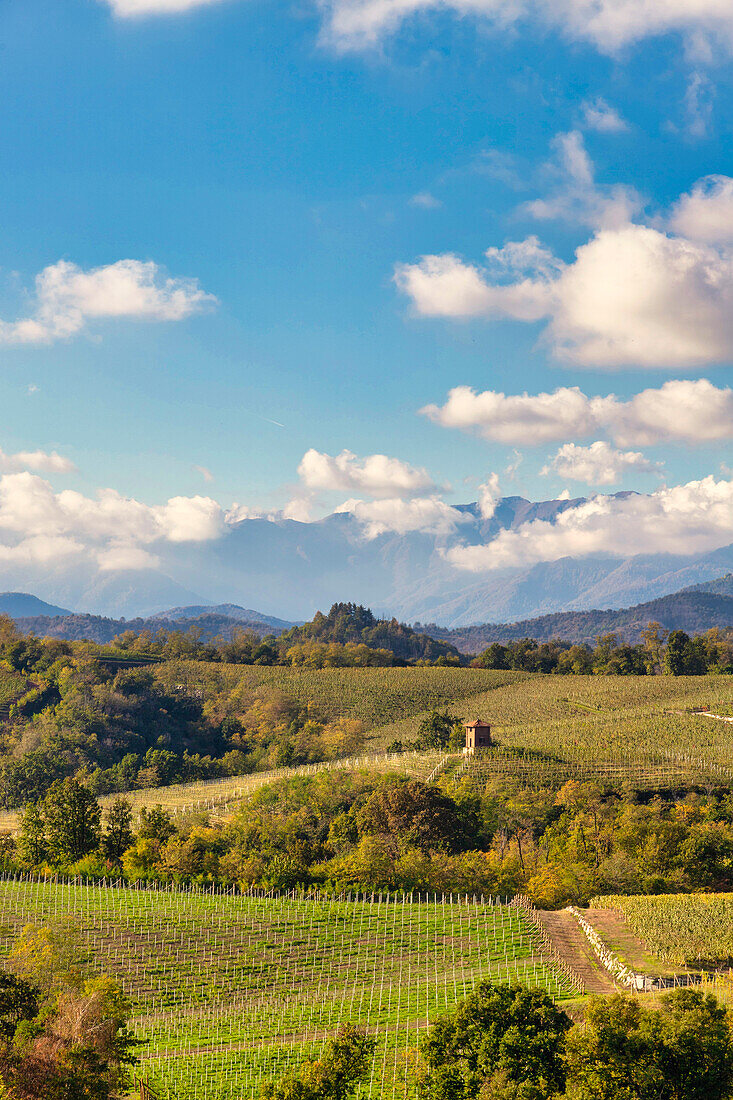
(693, 610)
(291, 569)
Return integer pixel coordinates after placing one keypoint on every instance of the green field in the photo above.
(227, 990)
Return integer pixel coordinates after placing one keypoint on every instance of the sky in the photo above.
(274, 258)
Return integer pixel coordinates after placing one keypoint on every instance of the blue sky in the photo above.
(285, 170)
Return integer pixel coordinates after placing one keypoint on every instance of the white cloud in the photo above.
(685, 519)
(687, 411)
(425, 200)
(578, 197)
(632, 296)
(108, 527)
(517, 419)
(431, 516)
(67, 298)
(126, 557)
(205, 472)
(598, 464)
(41, 461)
(706, 212)
(601, 116)
(130, 8)
(607, 24)
(377, 475)
(444, 286)
(698, 105)
(489, 495)
(299, 508)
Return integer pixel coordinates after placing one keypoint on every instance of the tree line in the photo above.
(659, 653)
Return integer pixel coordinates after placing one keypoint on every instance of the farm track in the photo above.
(567, 936)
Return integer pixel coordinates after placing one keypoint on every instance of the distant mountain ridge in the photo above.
(294, 568)
(227, 611)
(97, 628)
(694, 610)
(17, 604)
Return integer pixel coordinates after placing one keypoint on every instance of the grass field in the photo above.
(227, 990)
(685, 929)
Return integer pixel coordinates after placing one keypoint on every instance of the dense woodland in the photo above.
(338, 831)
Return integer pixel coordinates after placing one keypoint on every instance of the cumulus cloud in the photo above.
(430, 515)
(706, 212)
(684, 519)
(377, 475)
(598, 464)
(41, 461)
(607, 24)
(633, 295)
(601, 116)
(109, 528)
(67, 298)
(687, 411)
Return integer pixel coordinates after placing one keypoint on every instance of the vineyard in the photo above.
(635, 730)
(683, 929)
(230, 989)
(376, 696)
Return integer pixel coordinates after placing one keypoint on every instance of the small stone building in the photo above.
(478, 735)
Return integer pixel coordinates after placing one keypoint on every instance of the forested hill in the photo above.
(349, 622)
(693, 610)
(96, 628)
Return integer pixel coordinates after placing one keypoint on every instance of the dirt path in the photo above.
(567, 936)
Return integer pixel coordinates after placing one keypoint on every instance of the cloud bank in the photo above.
(685, 519)
(67, 298)
(41, 526)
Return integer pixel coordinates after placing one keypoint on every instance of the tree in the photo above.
(685, 656)
(681, 1051)
(118, 835)
(414, 811)
(72, 817)
(65, 1036)
(19, 1000)
(335, 1076)
(32, 847)
(155, 824)
(438, 730)
(502, 1040)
